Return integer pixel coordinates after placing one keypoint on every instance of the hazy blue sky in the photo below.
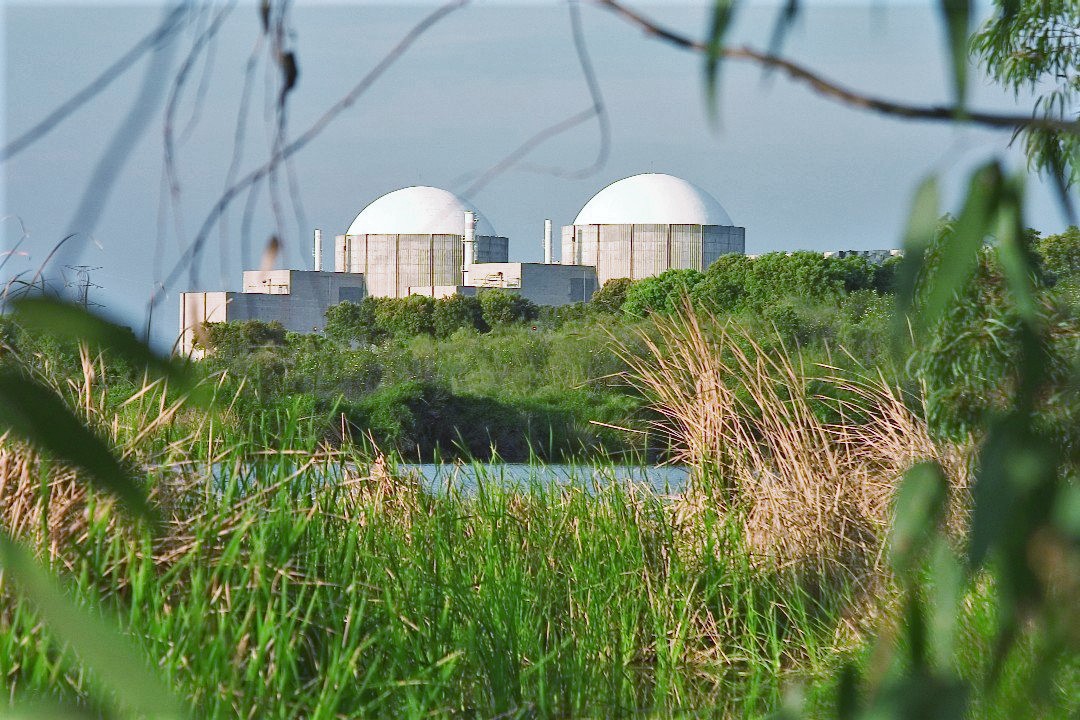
(798, 171)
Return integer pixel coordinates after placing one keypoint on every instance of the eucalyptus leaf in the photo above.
(946, 593)
(785, 19)
(722, 14)
(959, 256)
(1015, 257)
(920, 506)
(71, 322)
(922, 221)
(957, 17)
(37, 415)
(113, 659)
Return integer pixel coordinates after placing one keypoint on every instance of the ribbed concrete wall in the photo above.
(643, 250)
(394, 263)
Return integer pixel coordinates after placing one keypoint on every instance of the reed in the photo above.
(298, 580)
(811, 493)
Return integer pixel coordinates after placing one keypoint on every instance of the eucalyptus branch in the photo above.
(837, 92)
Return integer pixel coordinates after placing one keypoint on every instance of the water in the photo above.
(663, 479)
(468, 477)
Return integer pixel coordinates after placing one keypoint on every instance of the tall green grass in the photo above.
(287, 587)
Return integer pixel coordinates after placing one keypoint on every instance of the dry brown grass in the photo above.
(53, 510)
(809, 494)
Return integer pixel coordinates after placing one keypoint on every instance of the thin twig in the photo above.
(835, 91)
(260, 173)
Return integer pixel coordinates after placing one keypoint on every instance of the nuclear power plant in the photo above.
(427, 241)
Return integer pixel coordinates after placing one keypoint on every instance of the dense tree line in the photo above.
(494, 371)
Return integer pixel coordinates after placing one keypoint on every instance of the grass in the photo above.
(307, 588)
(294, 580)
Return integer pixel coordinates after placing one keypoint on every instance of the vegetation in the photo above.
(296, 573)
(866, 534)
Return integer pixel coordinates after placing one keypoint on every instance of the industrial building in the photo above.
(415, 238)
(427, 241)
(643, 225)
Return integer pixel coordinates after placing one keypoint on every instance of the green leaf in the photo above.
(784, 21)
(722, 15)
(959, 256)
(1015, 256)
(920, 505)
(922, 221)
(847, 693)
(1067, 511)
(37, 415)
(70, 322)
(920, 696)
(115, 662)
(1013, 495)
(957, 17)
(946, 593)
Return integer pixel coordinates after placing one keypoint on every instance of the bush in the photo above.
(456, 312)
(1061, 254)
(242, 337)
(663, 293)
(724, 287)
(352, 323)
(554, 317)
(504, 308)
(885, 275)
(405, 317)
(611, 296)
(804, 275)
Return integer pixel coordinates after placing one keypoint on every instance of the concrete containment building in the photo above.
(643, 225)
(426, 241)
(412, 239)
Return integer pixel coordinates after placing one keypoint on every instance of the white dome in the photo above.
(418, 210)
(653, 198)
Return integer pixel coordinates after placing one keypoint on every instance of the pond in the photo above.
(663, 479)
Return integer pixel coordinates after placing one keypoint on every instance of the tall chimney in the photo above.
(318, 250)
(469, 254)
(547, 242)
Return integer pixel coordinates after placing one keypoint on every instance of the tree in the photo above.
(404, 317)
(247, 336)
(724, 287)
(1034, 45)
(352, 323)
(1061, 254)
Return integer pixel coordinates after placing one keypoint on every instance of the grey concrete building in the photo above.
(543, 284)
(426, 241)
(298, 299)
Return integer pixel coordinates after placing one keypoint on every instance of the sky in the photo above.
(797, 170)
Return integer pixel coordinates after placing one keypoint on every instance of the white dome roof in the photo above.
(653, 198)
(418, 210)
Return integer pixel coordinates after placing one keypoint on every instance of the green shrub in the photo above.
(242, 337)
(663, 293)
(352, 323)
(456, 312)
(406, 317)
(724, 287)
(1061, 253)
(501, 307)
(611, 296)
